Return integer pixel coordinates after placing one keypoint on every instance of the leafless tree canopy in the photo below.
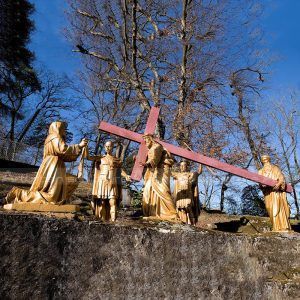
(176, 54)
(202, 62)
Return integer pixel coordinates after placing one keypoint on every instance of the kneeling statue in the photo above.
(50, 184)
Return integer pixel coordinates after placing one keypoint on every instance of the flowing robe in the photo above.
(157, 200)
(186, 196)
(50, 184)
(276, 201)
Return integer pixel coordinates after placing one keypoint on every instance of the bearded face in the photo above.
(148, 141)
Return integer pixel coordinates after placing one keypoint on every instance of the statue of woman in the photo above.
(275, 197)
(157, 200)
(49, 185)
(107, 187)
(186, 193)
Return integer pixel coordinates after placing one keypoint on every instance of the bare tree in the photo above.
(285, 128)
(180, 55)
(31, 111)
(49, 105)
(242, 85)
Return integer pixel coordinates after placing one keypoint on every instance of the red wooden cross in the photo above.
(190, 155)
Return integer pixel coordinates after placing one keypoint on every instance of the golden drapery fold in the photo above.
(50, 184)
(157, 199)
(276, 201)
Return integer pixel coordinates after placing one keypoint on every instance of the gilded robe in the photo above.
(157, 200)
(186, 196)
(276, 201)
(50, 184)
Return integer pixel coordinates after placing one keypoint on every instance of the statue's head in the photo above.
(184, 166)
(149, 140)
(265, 159)
(109, 147)
(58, 128)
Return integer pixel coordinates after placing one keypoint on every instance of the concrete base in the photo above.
(68, 208)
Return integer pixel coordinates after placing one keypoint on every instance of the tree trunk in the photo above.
(296, 201)
(181, 132)
(28, 125)
(91, 173)
(223, 189)
(247, 131)
(11, 147)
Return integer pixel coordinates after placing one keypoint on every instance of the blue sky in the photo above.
(48, 41)
(281, 25)
(282, 30)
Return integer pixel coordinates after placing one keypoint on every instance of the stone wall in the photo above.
(48, 258)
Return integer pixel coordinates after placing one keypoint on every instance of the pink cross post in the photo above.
(137, 171)
(184, 153)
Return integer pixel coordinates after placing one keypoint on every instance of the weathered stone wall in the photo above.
(48, 258)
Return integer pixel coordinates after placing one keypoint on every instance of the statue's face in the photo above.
(265, 159)
(108, 147)
(148, 141)
(183, 166)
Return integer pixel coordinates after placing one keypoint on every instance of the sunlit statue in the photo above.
(186, 193)
(50, 184)
(275, 197)
(157, 200)
(107, 187)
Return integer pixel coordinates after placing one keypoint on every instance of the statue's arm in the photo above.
(261, 186)
(280, 179)
(61, 148)
(200, 169)
(94, 157)
(125, 175)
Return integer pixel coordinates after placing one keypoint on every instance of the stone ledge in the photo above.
(68, 208)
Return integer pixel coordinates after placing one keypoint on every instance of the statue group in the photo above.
(50, 185)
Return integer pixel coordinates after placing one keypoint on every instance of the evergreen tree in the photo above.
(18, 78)
(252, 201)
(15, 58)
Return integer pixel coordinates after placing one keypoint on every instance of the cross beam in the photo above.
(184, 153)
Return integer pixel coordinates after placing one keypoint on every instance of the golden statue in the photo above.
(157, 200)
(186, 193)
(107, 187)
(275, 197)
(50, 184)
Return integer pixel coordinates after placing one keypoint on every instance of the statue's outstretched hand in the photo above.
(277, 186)
(83, 143)
(200, 168)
